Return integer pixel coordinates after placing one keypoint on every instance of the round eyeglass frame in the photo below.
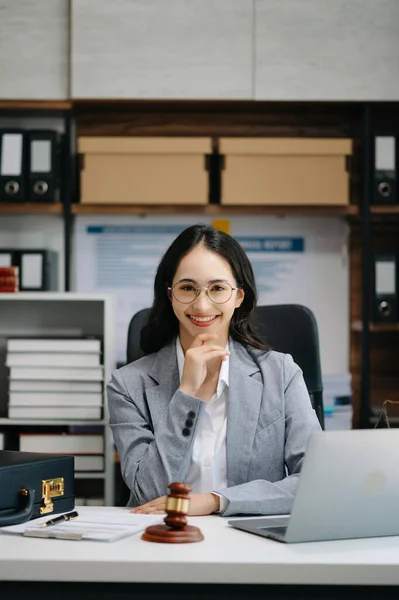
(199, 290)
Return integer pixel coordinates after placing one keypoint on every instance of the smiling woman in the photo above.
(199, 302)
(209, 404)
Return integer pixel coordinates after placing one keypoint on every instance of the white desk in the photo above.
(226, 556)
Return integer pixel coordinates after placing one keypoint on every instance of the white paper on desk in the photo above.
(90, 525)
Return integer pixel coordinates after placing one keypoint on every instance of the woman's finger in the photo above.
(216, 354)
(202, 338)
(151, 510)
(201, 351)
(149, 505)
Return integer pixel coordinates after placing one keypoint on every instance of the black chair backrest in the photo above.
(288, 328)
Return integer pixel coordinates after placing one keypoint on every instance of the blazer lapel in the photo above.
(165, 373)
(245, 397)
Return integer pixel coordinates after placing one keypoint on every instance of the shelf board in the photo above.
(212, 209)
(393, 421)
(49, 422)
(388, 209)
(357, 325)
(35, 105)
(89, 475)
(31, 208)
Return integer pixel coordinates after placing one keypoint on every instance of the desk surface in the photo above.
(226, 555)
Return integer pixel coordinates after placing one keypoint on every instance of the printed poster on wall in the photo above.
(295, 259)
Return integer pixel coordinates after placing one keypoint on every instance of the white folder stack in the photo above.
(54, 379)
(88, 449)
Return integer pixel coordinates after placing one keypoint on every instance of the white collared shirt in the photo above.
(208, 466)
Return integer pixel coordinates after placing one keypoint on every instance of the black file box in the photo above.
(12, 165)
(386, 161)
(385, 287)
(44, 166)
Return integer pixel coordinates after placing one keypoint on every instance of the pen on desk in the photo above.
(66, 517)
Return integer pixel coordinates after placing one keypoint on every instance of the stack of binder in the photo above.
(385, 287)
(385, 267)
(9, 279)
(37, 269)
(29, 165)
(386, 161)
(53, 379)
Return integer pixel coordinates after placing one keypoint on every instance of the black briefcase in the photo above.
(34, 485)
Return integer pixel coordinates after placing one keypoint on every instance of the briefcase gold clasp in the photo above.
(51, 488)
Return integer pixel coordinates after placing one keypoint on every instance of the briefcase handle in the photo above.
(21, 514)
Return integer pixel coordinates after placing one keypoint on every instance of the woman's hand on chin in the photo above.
(202, 351)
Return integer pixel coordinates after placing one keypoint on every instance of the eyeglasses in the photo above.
(218, 292)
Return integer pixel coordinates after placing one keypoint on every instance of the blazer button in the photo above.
(191, 414)
(186, 432)
(189, 423)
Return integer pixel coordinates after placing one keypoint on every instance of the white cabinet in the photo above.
(189, 49)
(62, 315)
(34, 49)
(326, 50)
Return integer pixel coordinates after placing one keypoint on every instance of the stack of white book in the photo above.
(55, 378)
(88, 449)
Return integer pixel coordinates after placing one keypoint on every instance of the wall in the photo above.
(34, 49)
(191, 49)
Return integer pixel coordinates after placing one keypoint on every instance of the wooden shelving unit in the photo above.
(374, 346)
(385, 210)
(31, 208)
(41, 105)
(356, 325)
(372, 227)
(56, 208)
(213, 209)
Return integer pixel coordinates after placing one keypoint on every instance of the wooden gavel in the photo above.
(175, 529)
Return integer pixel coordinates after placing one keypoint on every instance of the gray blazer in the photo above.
(269, 421)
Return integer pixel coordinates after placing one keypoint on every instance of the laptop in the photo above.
(348, 488)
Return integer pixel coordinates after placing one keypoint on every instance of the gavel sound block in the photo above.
(175, 529)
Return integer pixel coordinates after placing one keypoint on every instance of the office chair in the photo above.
(289, 328)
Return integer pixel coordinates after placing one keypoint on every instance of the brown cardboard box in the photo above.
(137, 170)
(291, 171)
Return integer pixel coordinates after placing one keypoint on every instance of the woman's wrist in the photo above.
(185, 389)
(215, 502)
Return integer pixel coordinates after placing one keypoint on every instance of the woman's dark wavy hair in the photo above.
(163, 325)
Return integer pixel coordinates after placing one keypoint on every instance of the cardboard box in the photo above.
(290, 171)
(144, 170)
